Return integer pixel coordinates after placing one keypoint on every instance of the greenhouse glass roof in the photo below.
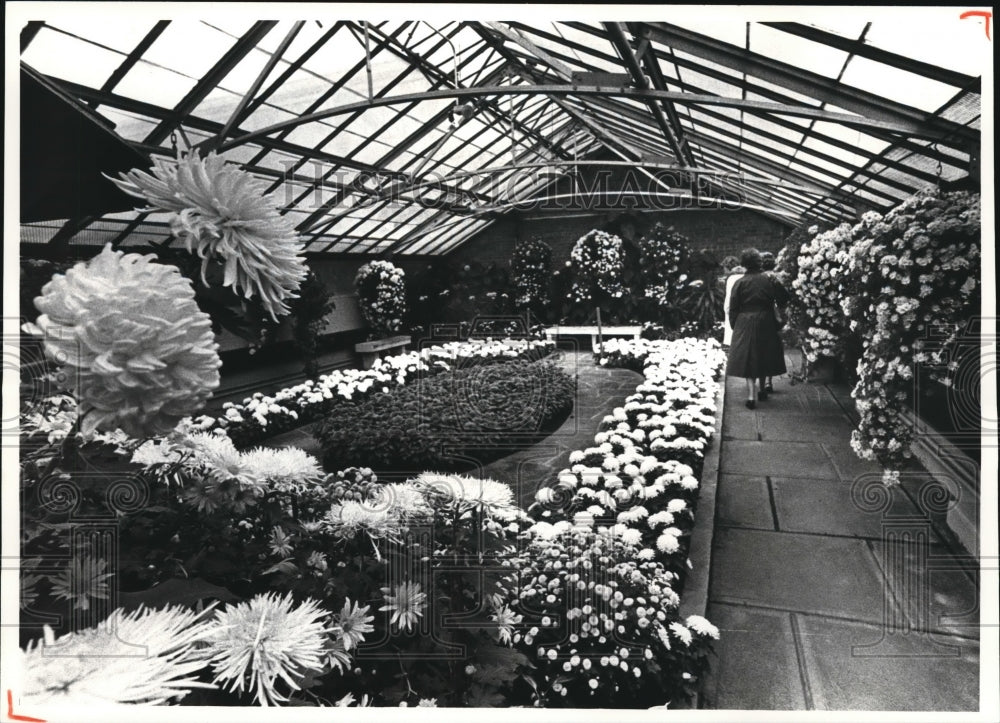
(411, 136)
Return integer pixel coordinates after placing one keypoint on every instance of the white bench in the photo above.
(552, 332)
(371, 351)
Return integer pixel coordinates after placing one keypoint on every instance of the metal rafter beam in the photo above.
(432, 72)
(401, 147)
(240, 49)
(134, 57)
(813, 85)
(870, 52)
(557, 91)
(310, 223)
(621, 43)
(240, 113)
(149, 110)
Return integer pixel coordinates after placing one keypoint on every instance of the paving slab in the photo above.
(795, 426)
(738, 422)
(835, 576)
(847, 463)
(778, 459)
(744, 502)
(740, 678)
(807, 506)
(901, 672)
(811, 398)
(930, 586)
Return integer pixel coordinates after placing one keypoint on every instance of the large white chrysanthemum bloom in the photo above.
(142, 657)
(285, 469)
(491, 498)
(222, 213)
(253, 644)
(140, 354)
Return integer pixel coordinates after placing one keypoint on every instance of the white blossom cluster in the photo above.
(909, 283)
(818, 285)
(382, 295)
(597, 261)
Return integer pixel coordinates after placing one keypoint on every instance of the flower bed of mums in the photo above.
(263, 415)
(609, 546)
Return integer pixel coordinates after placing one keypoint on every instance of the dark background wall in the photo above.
(723, 231)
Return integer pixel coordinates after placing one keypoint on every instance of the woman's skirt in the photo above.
(756, 350)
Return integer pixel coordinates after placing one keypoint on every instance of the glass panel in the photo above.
(796, 51)
(64, 57)
(898, 85)
(154, 85)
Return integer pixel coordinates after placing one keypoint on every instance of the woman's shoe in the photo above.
(751, 404)
(769, 388)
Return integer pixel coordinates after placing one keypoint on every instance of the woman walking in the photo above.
(756, 351)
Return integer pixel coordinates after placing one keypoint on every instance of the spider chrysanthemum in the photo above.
(254, 644)
(222, 213)
(142, 657)
(139, 353)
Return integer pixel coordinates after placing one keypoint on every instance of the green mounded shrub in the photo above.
(434, 423)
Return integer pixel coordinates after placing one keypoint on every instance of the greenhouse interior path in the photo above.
(830, 591)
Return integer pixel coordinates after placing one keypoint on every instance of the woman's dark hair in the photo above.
(767, 261)
(750, 260)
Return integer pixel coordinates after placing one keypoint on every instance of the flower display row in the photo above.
(381, 288)
(608, 549)
(266, 414)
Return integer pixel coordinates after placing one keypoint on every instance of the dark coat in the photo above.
(756, 350)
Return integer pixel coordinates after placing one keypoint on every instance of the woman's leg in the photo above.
(762, 394)
(751, 393)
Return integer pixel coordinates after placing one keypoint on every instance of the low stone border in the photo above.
(694, 601)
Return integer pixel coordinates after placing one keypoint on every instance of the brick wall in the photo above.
(726, 232)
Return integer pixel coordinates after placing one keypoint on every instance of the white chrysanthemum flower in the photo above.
(287, 468)
(253, 644)
(506, 619)
(702, 626)
(406, 602)
(492, 498)
(667, 544)
(140, 353)
(216, 451)
(401, 499)
(142, 657)
(221, 213)
(353, 623)
(352, 517)
(681, 632)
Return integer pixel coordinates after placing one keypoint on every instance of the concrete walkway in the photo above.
(831, 592)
